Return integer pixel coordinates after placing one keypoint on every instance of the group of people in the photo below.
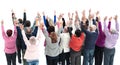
(65, 41)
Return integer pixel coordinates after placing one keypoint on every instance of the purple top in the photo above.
(101, 37)
(111, 39)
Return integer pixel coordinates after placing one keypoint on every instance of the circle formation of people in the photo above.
(64, 41)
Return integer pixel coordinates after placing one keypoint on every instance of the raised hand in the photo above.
(115, 18)
(105, 18)
(110, 18)
(97, 13)
(2, 22)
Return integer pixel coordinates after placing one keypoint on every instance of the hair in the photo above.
(51, 29)
(78, 33)
(32, 40)
(27, 23)
(53, 37)
(9, 32)
(20, 21)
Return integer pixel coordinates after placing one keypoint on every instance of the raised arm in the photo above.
(24, 17)
(54, 17)
(106, 30)
(34, 33)
(3, 31)
(116, 23)
(24, 35)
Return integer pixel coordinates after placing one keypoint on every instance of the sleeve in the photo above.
(24, 18)
(19, 32)
(117, 26)
(82, 36)
(3, 32)
(41, 36)
(45, 33)
(100, 27)
(15, 33)
(63, 22)
(70, 31)
(34, 33)
(109, 25)
(33, 26)
(54, 19)
(25, 38)
(106, 30)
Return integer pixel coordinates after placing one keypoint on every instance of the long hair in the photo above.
(53, 37)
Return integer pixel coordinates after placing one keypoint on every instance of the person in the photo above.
(99, 46)
(32, 52)
(64, 47)
(76, 42)
(52, 46)
(110, 41)
(10, 44)
(89, 44)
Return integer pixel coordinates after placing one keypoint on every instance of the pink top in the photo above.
(10, 42)
(33, 51)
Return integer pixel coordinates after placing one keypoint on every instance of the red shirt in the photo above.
(77, 42)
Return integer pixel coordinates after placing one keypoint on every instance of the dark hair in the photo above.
(78, 33)
(27, 23)
(9, 32)
(51, 29)
(20, 21)
(53, 37)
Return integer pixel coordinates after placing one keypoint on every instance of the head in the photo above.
(20, 21)
(113, 31)
(27, 23)
(65, 29)
(51, 29)
(32, 40)
(92, 28)
(78, 33)
(9, 32)
(53, 37)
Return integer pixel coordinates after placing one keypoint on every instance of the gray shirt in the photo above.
(51, 49)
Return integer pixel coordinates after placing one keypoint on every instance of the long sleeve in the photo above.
(63, 22)
(25, 38)
(54, 19)
(41, 36)
(19, 32)
(100, 27)
(24, 18)
(34, 33)
(117, 26)
(15, 33)
(3, 32)
(109, 25)
(106, 29)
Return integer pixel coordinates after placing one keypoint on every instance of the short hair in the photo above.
(20, 21)
(27, 23)
(78, 32)
(9, 32)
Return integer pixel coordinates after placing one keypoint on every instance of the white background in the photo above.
(106, 8)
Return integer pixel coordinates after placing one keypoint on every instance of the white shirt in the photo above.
(64, 44)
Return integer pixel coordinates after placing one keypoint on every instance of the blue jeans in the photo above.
(88, 56)
(34, 62)
(109, 56)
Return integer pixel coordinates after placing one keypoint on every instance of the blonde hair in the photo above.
(53, 37)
